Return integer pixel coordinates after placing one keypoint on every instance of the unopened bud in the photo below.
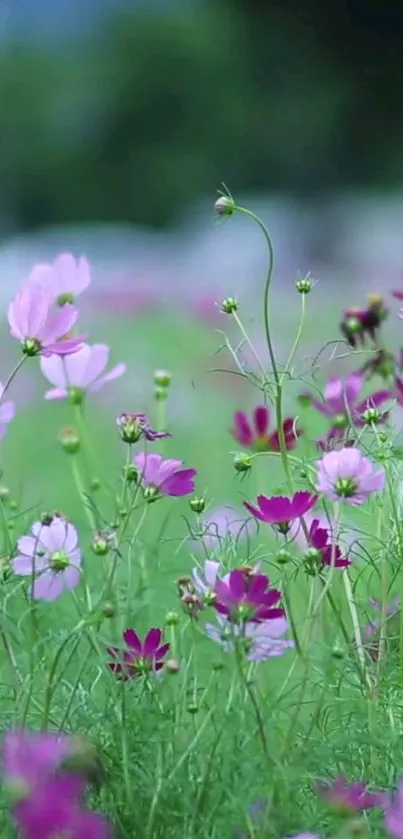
(162, 378)
(229, 305)
(242, 462)
(69, 439)
(172, 619)
(95, 484)
(100, 544)
(224, 206)
(304, 285)
(372, 416)
(337, 652)
(172, 665)
(4, 493)
(313, 561)
(198, 505)
(151, 494)
(192, 708)
(283, 557)
(383, 437)
(108, 610)
(131, 473)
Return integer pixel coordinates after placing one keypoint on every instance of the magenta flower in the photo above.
(135, 426)
(50, 554)
(29, 759)
(141, 658)
(320, 539)
(7, 412)
(165, 477)
(350, 796)
(65, 278)
(348, 475)
(342, 407)
(246, 597)
(394, 814)
(260, 640)
(78, 373)
(280, 510)
(40, 327)
(55, 810)
(255, 435)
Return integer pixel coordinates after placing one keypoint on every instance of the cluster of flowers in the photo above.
(45, 779)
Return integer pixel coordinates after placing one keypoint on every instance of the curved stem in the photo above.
(12, 376)
(297, 338)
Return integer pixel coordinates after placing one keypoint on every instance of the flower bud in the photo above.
(95, 484)
(46, 519)
(192, 708)
(108, 610)
(198, 505)
(313, 561)
(283, 557)
(160, 394)
(162, 378)
(76, 395)
(172, 666)
(100, 544)
(4, 494)
(69, 439)
(372, 416)
(304, 285)
(172, 619)
(229, 305)
(383, 437)
(151, 494)
(130, 428)
(242, 462)
(131, 473)
(224, 206)
(337, 652)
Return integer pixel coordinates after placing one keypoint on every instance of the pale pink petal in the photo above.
(38, 301)
(71, 577)
(115, 373)
(27, 545)
(71, 538)
(24, 566)
(48, 586)
(97, 360)
(53, 368)
(72, 276)
(54, 393)
(149, 467)
(168, 468)
(58, 324)
(7, 411)
(53, 537)
(42, 275)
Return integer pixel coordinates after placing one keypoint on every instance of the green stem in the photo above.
(297, 338)
(12, 376)
(243, 331)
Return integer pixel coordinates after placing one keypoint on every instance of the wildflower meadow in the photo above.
(201, 633)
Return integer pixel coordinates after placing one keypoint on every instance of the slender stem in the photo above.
(12, 376)
(243, 331)
(356, 627)
(297, 337)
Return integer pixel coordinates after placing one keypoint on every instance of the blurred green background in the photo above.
(128, 112)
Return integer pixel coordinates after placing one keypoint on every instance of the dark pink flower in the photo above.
(280, 510)
(255, 435)
(55, 810)
(141, 657)
(350, 796)
(357, 323)
(134, 426)
(247, 597)
(165, 477)
(39, 325)
(342, 407)
(320, 539)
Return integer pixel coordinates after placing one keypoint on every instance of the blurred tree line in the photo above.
(147, 113)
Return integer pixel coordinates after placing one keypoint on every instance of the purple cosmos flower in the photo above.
(40, 327)
(255, 435)
(280, 510)
(53, 555)
(166, 477)
(247, 597)
(78, 373)
(351, 796)
(30, 758)
(394, 814)
(7, 412)
(260, 640)
(134, 426)
(55, 810)
(141, 658)
(65, 278)
(348, 475)
(341, 404)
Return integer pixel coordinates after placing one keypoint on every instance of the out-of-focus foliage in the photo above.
(148, 112)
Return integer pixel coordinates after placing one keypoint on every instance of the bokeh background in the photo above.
(120, 119)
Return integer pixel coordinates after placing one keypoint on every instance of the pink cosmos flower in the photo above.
(7, 412)
(78, 373)
(204, 581)
(394, 814)
(65, 278)
(166, 477)
(342, 407)
(320, 539)
(134, 426)
(348, 475)
(260, 640)
(141, 658)
(351, 796)
(246, 597)
(30, 758)
(41, 328)
(55, 810)
(255, 435)
(52, 554)
(280, 510)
